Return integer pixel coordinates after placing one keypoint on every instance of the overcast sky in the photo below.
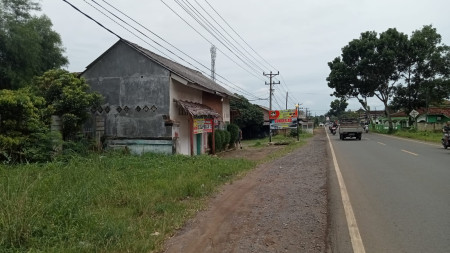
(295, 37)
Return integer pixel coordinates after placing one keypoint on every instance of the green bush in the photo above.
(43, 147)
(68, 96)
(234, 134)
(226, 139)
(21, 124)
(294, 133)
(219, 140)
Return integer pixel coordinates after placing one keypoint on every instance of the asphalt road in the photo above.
(399, 191)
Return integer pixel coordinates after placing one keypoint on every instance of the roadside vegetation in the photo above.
(110, 203)
(416, 135)
(114, 202)
(289, 142)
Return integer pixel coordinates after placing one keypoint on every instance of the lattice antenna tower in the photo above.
(213, 62)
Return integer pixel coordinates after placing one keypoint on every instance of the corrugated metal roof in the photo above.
(198, 110)
(193, 76)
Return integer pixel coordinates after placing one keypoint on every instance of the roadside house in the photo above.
(432, 119)
(153, 104)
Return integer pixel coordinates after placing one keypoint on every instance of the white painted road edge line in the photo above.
(409, 152)
(357, 244)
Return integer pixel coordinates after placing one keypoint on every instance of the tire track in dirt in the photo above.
(280, 206)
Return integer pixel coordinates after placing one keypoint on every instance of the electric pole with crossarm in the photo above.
(270, 95)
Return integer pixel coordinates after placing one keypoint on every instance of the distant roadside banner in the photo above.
(282, 119)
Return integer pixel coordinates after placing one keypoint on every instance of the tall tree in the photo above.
(426, 73)
(250, 118)
(338, 107)
(370, 66)
(28, 45)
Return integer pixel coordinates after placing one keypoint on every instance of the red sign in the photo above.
(203, 126)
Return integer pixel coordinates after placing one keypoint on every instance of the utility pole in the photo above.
(270, 95)
(287, 99)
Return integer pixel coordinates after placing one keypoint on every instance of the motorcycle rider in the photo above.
(334, 127)
(446, 131)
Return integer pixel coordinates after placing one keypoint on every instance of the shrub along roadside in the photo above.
(416, 135)
(112, 203)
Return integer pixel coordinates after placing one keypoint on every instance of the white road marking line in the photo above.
(381, 143)
(406, 139)
(355, 236)
(409, 152)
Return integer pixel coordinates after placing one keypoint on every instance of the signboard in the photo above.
(283, 119)
(414, 113)
(202, 126)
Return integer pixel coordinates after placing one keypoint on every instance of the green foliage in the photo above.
(219, 138)
(295, 132)
(226, 139)
(338, 107)
(68, 96)
(381, 64)
(22, 125)
(414, 134)
(250, 119)
(428, 69)
(111, 203)
(26, 116)
(234, 134)
(42, 147)
(28, 45)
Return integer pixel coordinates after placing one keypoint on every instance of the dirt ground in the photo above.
(281, 206)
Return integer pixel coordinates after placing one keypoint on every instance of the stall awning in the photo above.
(198, 110)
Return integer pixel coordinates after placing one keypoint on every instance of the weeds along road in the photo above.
(281, 206)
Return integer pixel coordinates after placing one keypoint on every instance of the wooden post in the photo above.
(213, 144)
(191, 134)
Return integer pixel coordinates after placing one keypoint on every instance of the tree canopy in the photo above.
(28, 45)
(389, 65)
(25, 115)
(338, 107)
(251, 117)
(67, 96)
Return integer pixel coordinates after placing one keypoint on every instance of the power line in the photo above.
(107, 29)
(191, 12)
(239, 89)
(201, 35)
(223, 36)
(284, 85)
(239, 35)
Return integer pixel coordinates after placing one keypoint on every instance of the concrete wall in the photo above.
(226, 110)
(422, 126)
(136, 92)
(214, 102)
(180, 91)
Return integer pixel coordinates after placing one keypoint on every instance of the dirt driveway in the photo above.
(281, 206)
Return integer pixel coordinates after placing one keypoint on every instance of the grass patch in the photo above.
(290, 144)
(418, 135)
(111, 203)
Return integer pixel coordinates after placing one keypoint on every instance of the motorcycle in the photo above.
(333, 130)
(366, 128)
(446, 140)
